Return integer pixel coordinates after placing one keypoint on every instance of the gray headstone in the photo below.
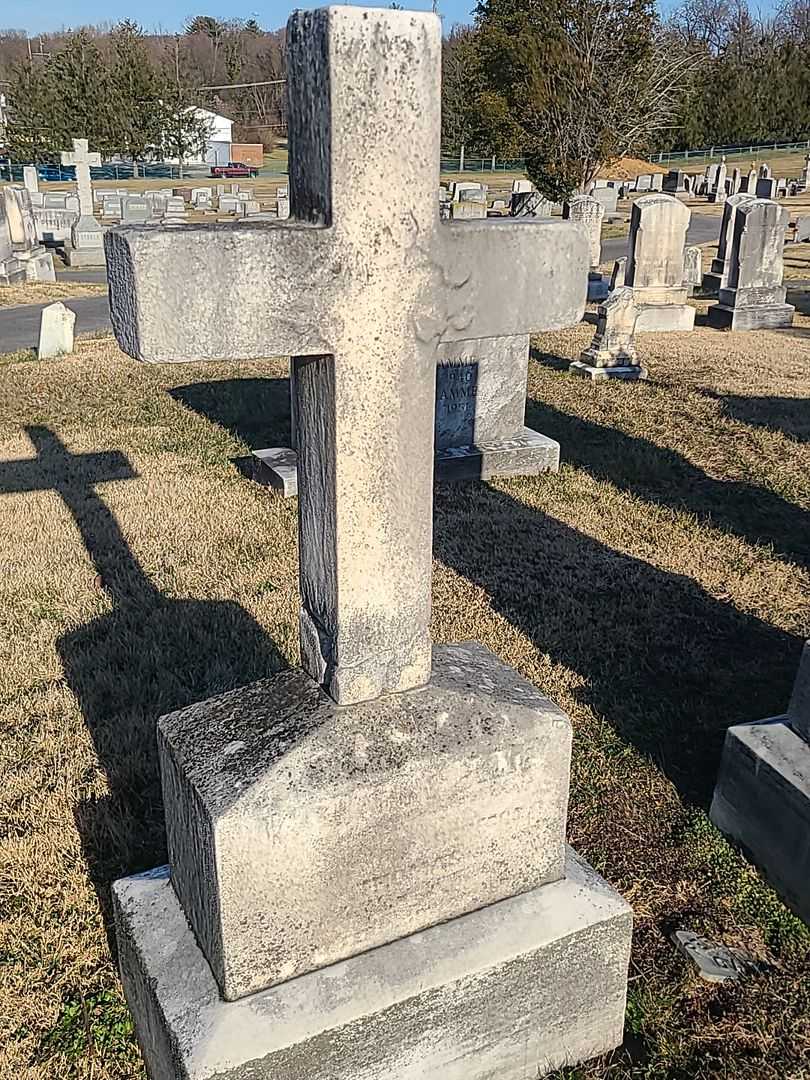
(588, 213)
(658, 225)
(802, 228)
(754, 296)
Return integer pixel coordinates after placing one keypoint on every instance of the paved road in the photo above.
(19, 326)
(703, 229)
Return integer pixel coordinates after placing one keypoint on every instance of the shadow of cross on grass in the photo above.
(149, 655)
(663, 476)
(665, 663)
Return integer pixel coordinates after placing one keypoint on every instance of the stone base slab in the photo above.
(665, 317)
(511, 991)
(764, 317)
(601, 374)
(277, 467)
(762, 801)
(528, 453)
(84, 257)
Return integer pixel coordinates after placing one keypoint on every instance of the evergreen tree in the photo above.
(136, 96)
(184, 130)
(83, 105)
(33, 133)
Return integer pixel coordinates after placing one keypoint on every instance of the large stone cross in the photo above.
(360, 287)
(82, 159)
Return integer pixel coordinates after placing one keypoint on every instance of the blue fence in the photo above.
(125, 171)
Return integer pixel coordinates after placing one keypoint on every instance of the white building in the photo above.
(218, 145)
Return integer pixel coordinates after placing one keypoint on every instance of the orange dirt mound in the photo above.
(629, 168)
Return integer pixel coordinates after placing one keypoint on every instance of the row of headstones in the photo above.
(648, 289)
(716, 185)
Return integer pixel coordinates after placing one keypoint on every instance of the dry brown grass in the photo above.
(46, 292)
(657, 588)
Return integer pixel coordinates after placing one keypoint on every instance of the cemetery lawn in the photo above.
(657, 588)
(46, 292)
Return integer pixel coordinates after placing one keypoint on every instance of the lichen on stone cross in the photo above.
(360, 287)
(81, 158)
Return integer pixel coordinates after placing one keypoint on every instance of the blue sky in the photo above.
(156, 14)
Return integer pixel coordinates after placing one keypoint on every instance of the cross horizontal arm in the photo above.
(60, 469)
(511, 277)
(209, 292)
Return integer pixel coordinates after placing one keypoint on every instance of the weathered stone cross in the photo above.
(82, 159)
(360, 287)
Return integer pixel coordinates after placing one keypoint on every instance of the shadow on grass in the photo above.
(667, 665)
(662, 476)
(257, 411)
(789, 415)
(149, 655)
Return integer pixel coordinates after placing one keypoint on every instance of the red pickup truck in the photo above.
(233, 168)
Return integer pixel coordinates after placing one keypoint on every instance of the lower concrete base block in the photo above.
(277, 468)
(762, 801)
(762, 317)
(512, 991)
(665, 317)
(528, 453)
(84, 257)
(629, 373)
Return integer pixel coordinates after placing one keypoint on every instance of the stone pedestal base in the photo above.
(762, 801)
(11, 272)
(711, 284)
(600, 374)
(762, 317)
(513, 990)
(277, 467)
(84, 256)
(665, 317)
(528, 454)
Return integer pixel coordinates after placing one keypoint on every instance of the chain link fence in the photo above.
(715, 152)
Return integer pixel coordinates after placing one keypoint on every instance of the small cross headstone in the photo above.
(306, 814)
(86, 235)
(56, 331)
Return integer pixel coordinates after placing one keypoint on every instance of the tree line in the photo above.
(566, 85)
(571, 84)
(134, 94)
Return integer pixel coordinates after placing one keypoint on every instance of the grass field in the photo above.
(657, 588)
